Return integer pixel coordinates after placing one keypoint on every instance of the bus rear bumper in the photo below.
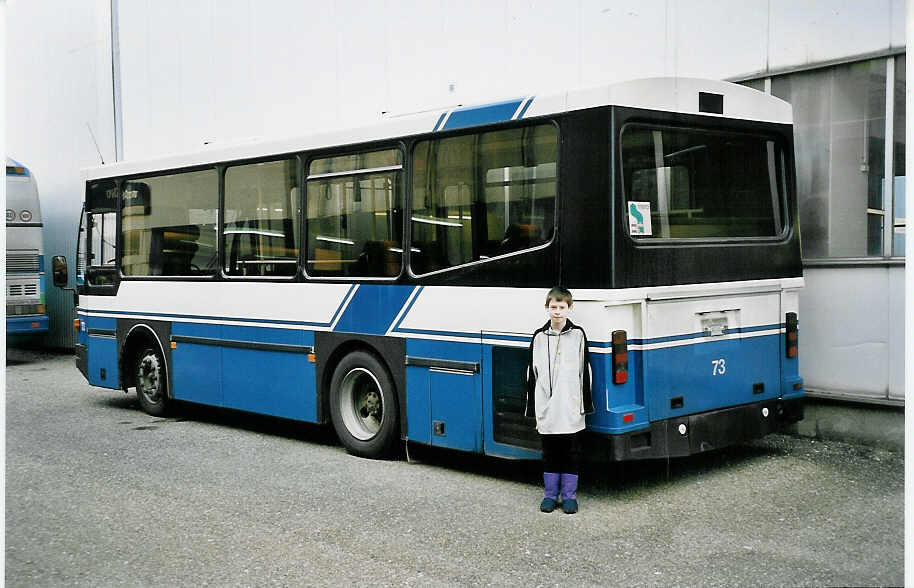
(697, 433)
(17, 325)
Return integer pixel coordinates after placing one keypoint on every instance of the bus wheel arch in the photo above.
(361, 399)
(144, 365)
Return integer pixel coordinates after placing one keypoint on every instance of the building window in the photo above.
(898, 126)
(841, 150)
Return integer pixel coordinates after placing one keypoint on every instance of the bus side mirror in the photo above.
(59, 270)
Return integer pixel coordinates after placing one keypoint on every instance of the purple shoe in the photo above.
(551, 491)
(569, 493)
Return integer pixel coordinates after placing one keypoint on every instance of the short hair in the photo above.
(559, 294)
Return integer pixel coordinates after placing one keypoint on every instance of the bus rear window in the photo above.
(698, 184)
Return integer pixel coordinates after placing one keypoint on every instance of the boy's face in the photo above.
(558, 311)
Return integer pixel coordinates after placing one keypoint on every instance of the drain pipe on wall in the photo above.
(116, 82)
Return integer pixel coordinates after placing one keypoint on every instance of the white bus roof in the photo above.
(679, 95)
(21, 192)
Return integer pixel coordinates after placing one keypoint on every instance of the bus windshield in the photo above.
(682, 183)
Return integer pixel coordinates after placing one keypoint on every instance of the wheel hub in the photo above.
(148, 378)
(361, 404)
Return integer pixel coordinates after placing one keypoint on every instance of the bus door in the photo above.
(99, 333)
(704, 353)
(508, 433)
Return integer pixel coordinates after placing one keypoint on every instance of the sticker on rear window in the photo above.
(639, 218)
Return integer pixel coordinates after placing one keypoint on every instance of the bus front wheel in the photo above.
(363, 405)
(150, 382)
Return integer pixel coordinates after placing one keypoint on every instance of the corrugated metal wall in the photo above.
(60, 239)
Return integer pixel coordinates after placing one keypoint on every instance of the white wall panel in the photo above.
(716, 40)
(235, 107)
(545, 47)
(198, 54)
(896, 304)
(806, 32)
(229, 71)
(360, 52)
(309, 74)
(624, 40)
(849, 337)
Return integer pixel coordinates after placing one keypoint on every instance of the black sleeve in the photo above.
(530, 381)
(587, 378)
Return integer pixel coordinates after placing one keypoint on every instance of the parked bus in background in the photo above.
(387, 279)
(26, 310)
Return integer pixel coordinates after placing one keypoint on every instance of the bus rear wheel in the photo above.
(151, 387)
(363, 405)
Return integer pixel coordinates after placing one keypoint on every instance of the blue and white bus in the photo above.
(26, 310)
(387, 279)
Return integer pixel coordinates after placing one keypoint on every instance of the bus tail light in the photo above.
(791, 335)
(620, 357)
(76, 324)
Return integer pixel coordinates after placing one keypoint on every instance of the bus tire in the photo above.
(151, 386)
(363, 405)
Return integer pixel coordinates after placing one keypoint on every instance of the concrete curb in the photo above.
(864, 424)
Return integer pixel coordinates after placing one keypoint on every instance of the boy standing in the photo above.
(559, 395)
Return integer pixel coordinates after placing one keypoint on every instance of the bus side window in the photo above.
(478, 196)
(168, 224)
(261, 234)
(101, 253)
(354, 215)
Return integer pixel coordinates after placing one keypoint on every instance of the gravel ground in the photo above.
(100, 494)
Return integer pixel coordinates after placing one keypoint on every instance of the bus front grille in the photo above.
(22, 290)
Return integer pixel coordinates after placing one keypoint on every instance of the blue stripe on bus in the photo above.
(468, 336)
(408, 308)
(373, 308)
(440, 120)
(526, 106)
(482, 115)
(370, 302)
(342, 307)
(702, 335)
(134, 314)
(758, 328)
